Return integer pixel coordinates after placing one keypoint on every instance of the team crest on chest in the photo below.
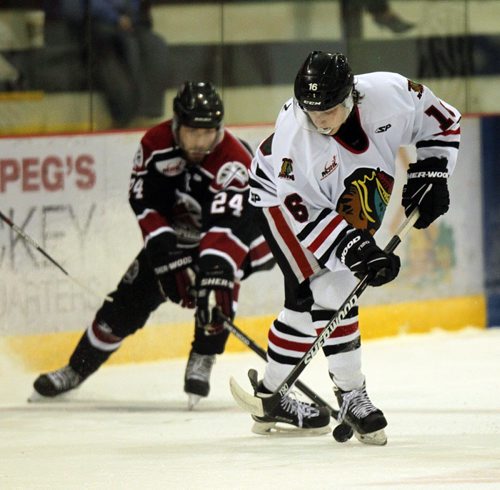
(329, 168)
(286, 171)
(365, 198)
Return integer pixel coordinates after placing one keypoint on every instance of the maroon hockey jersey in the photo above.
(205, 205)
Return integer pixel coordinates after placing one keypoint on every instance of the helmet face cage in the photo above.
(323, 81)
(198, 105)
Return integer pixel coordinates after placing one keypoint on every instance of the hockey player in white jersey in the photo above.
(322, 183)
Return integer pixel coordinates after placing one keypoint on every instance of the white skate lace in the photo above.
(293, 406)
(64, 378)
(200, 366)
(358, 402)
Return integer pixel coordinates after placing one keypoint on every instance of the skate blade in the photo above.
(35, 397)
(278, 429)
(377, 438)
(193, 400)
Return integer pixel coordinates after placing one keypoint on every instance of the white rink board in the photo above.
(69, 193)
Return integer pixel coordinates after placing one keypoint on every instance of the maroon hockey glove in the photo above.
(215, 287)
(171, 266)
(174, 278)
(360, 253)
(436, 200)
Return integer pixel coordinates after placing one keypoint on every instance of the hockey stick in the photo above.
(243, 337)
(32, 242)
(267, 405)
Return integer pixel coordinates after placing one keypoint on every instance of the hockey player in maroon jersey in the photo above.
(189, 191)
(322, 183)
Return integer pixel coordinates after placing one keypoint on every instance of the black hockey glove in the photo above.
(214, 285)
(170, 265)
(360, 253)
(436, 200)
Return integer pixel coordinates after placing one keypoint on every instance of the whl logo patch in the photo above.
(329, 168)
(286, 171)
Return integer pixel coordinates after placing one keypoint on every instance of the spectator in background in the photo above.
(384, 16)
(129, 61)
(380, 11)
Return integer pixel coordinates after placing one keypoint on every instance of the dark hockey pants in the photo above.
(135, 298)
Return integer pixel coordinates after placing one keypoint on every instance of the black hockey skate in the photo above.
(292, 416)
(197, 377)
(366, 420)
(57, 382)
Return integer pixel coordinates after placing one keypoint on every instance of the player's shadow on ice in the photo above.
(130, 406)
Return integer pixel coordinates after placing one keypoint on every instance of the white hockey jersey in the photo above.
(328, 183)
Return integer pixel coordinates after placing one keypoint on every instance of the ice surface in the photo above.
(127, 427)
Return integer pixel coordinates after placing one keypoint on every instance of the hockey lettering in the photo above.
(49, 225)
(174, 265)
(430, 174)
(284, 389)
(348, 247)
(311, 102)
(216, 282)
(51, 173)
(328, 330)
(254, 197)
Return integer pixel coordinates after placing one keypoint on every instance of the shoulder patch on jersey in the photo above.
(416, 87)
(171, 167)
(231, 175)
(286, 170)
(329, 168)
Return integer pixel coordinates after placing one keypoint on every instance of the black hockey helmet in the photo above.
(198, 105)
(323, 81)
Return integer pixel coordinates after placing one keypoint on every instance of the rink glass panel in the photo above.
(50, 79)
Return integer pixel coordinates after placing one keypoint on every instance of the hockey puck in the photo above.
(342, 433)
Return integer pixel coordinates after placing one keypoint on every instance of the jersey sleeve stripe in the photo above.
(152, 224)
(259, 253)
(325, 233)
(224, 243)
(429, 143)
(220, 253)
(310, 226)
(448, 132)
(256, 184)
(291, 247)
(328, 253)
(261, 174)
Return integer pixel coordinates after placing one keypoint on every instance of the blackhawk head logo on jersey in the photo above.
(286, 171)
(365, 199)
